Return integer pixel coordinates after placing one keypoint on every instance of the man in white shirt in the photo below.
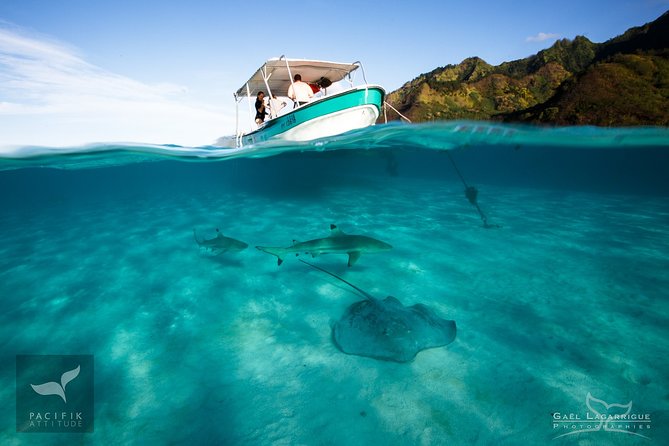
(299, 91)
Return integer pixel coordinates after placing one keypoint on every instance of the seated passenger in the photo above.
(299, 91)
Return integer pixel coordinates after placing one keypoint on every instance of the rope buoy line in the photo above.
(471, 193)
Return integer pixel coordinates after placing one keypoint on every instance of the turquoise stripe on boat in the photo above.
(332, 104)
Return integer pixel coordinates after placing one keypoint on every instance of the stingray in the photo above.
(386, 329)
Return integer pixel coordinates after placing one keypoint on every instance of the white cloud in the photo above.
(541, 37)
(50, 95)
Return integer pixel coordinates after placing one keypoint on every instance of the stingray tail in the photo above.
(363, 292)
(278, 252)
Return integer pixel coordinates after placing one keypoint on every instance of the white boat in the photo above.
(343, 108)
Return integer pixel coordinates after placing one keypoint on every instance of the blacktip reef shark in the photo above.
(220, 243)
(337, 242)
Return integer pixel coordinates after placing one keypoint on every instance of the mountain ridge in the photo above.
(623, 81)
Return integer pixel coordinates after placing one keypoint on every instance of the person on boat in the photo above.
(260, 108)
(275, 105)
(300, 92)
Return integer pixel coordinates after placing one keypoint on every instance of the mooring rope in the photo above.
(470, 191)
(396, 111)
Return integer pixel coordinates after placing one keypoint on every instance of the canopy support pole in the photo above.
(364, 78)
(236, 119)
(248, 96)
(265, 78)
(290, 75)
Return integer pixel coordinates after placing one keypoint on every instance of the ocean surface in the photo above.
(558, 283)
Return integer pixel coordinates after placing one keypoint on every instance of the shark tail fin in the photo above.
(278, 252)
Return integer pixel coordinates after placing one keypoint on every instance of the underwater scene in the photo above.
(435, 284)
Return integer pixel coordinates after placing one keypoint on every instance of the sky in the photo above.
(160, 71)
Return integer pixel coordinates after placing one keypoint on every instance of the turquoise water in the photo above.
(565, 296)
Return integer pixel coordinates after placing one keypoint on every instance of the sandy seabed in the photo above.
(568, 297)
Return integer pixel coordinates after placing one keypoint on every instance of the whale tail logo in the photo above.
(606, 414)
(602, 409)
(53, 388)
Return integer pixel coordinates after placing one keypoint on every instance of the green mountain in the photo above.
(624, 81)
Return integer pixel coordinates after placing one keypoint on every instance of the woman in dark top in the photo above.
(260, 108)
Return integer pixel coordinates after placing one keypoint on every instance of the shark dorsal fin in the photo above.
(335, 231)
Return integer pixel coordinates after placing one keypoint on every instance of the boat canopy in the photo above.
(277, 75)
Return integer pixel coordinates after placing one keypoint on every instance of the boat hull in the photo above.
(332, 115)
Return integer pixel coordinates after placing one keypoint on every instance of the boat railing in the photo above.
(362, 69)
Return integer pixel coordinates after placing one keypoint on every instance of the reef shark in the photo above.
(220, 243)
(337, 242)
